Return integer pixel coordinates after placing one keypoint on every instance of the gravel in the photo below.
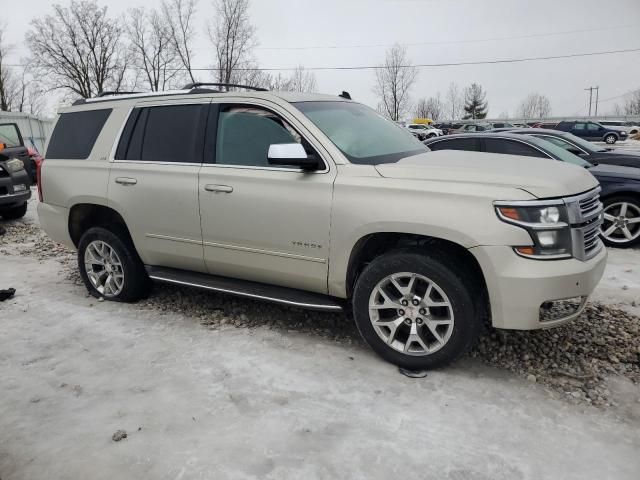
(574, 360)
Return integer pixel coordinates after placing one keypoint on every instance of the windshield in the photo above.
(559, 152)
(361, 134)
(9, 135)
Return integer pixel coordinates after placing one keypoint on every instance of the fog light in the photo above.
(19, 188)
(548, 238)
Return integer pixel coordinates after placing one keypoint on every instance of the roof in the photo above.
(195, 93)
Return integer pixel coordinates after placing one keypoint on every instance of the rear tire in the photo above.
(110, 267)
(14, 213)
(388, 330)
(610, 139)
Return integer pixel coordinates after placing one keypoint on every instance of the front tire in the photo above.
(110, 267)
(414, 310)
(14, 213)
(610, 139)
(621, 227)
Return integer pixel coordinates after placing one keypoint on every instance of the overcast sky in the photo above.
(447, 31)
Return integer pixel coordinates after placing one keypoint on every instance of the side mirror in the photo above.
(3, 146)
(291, 154)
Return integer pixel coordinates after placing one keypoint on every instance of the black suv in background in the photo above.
(14, 147)
(592, 131)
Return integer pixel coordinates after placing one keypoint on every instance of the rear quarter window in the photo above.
(76, 133)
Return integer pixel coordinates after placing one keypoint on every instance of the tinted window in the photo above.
(76, 133)
(580, 126)
(593, 126)
(511, 147)
(469, 144)
(245, 134)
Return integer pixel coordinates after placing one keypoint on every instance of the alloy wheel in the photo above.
(411, 314)
(104, 268)
(621, 222)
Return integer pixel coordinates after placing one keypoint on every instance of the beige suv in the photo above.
(318, 202)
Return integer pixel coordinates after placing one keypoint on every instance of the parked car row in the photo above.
(618, 174)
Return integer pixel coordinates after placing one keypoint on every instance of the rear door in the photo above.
(260, 222)
(153, 182)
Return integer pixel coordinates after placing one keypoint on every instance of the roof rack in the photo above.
(192, 86)
(104, 94)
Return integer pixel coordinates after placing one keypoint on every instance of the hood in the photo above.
(616, 171)
(540, 177)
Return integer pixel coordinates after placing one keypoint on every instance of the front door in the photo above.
(153, 183)
(260, 222)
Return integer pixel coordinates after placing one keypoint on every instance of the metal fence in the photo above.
(35, 131)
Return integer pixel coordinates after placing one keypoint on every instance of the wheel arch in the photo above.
(372, 245)
(83, 216)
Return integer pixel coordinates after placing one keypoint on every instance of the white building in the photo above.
(35, 131)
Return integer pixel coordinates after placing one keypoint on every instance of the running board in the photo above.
(244, 288)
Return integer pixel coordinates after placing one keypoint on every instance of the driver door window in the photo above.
(245, 134)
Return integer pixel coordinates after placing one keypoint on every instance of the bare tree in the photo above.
(302, 81)
(432, 108)
(535, 106)
(233, 38)
(455, 102)
(394, 79)
(152, 50)
(78, 48)
(630, 104)
(9, 84)
(178, 15)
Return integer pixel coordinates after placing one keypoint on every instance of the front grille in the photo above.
(585, 213)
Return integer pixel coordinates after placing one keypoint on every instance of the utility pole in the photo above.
(591, 89)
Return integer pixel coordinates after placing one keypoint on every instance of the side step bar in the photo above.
(244, 288)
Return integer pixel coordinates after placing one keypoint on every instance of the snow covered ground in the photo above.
(201, 400)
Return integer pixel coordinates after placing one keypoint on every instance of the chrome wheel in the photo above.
(411, 314)
(104, 268)
(610, 139)
(621, 222)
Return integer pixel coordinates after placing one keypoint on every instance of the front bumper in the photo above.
(8, 196)
(518, 287)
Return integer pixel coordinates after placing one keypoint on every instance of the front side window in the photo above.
(511, 147)
(360, 133)
(9, 135)
(594, 127)
(246, 132)
(171, 133)
(558, 141)
(467, 144)
(76, 133)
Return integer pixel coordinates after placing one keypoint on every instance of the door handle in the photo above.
(126, 181)
(218, 188)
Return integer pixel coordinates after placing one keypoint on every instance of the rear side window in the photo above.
(511, 147)
(469, 144)
(76, 133)
(171, 133)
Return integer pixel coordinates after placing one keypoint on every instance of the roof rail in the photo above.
(191, 86)
(104, 94)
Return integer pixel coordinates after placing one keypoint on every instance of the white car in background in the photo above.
(629, 127)
(424, 131)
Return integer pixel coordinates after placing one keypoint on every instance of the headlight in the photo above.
(547, 224)
(14, 165)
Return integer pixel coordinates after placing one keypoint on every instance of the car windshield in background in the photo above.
(559, 152)
(9, 135)
(361, 134)
(584, 144)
